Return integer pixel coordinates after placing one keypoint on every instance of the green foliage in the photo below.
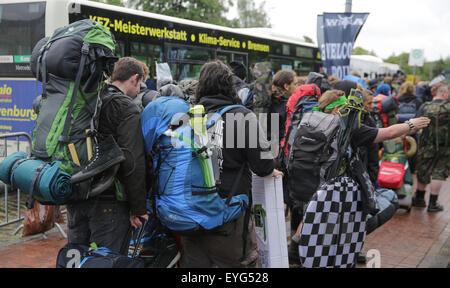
(209, 11)
(426, 73)
(362, 51)
(250, 16)
(308, 39)
(111, 2)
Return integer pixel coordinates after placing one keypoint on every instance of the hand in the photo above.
(420, 123)
(136, 222)
(275, 173)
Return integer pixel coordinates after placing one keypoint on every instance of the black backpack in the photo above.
(313, 151)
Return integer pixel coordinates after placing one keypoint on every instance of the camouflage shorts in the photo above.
(432, 165)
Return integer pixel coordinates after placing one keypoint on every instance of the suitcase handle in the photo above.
(126, 243)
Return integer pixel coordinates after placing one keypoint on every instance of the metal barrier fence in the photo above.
(14, 146)
(6, 145)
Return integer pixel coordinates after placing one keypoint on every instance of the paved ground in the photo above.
(416, 239)
(409, 240)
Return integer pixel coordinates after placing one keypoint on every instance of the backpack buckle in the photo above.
(64, 139)
(85, 48)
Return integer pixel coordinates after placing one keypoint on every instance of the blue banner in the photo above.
(340, 31)
(16, 105)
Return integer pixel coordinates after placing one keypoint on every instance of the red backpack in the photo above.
(293, 107)
(302, 100)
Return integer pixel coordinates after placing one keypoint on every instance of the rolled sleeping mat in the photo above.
(45, 181)
(7, 164)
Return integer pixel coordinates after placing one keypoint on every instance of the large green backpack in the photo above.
(437, 134)
(72, 65)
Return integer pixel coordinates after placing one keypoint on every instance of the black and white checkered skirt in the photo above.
(334, 226)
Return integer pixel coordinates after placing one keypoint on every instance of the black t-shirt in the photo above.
(364, 135)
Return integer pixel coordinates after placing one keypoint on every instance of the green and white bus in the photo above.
(186, 45)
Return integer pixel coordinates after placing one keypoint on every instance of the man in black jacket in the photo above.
(242, 145)
(105, 219)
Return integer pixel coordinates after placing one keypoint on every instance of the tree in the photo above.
(308, 39)
(250, 16)
(427, 72)
(209, 11)
(111, 2)
(362, 51)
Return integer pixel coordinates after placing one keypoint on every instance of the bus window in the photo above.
(188, 53)
(304, 52)
(185, 71)
(190, 71)
(257, 58)
(120, 49)
(242, 58)
(147, 53)
(303, 68)
(225, 57)
(281, 64)
(286, 49)
(22, 25)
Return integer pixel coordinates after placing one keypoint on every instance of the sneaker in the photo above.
(293, 254)
(161, 252)
(435, 207)
(417, 202)
(107, 154)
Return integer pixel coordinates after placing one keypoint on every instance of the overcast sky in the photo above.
(393, 26)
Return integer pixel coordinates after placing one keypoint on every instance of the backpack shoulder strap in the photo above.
(84, 55)
(212, 121)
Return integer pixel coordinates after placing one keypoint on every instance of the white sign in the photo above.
(270, 225)
(416, 58)
(6, 59)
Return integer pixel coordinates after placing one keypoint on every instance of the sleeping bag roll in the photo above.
(47, 183)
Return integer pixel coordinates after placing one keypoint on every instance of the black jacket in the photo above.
(280, 109)
(234, 157)
(121, 118)
(406, 98)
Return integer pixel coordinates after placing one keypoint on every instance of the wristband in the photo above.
(410, 124)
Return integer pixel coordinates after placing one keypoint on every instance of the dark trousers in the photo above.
(218, 251)
(103, 221)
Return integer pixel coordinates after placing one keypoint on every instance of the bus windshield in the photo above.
(22, 25)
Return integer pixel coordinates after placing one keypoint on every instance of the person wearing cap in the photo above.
(240, 76)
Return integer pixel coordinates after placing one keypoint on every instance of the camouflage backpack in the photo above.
(437, 134)
(262, 90)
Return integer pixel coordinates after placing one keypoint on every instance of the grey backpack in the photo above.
(313, 151)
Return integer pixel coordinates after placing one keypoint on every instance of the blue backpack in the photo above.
(186, 166)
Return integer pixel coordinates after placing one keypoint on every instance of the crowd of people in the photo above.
(286, 96)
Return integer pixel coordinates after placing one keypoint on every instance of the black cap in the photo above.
(373, 83)
(239, 69)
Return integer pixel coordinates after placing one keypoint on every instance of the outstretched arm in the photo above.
(398, 130)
